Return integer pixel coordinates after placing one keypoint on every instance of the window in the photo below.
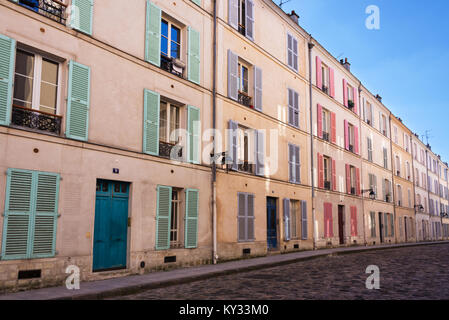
(295, 218)
(351, 137)
(169, 128)
(325, 78)
(294, 166)
(327, 167)
(326, 118)
(407, 166)
(245, 217)
(245, 147)
(353, 180)
(243, 84)
(36, 91)
(350, 94)
(373, 182)
(170, 47)
(385, 151)
(175, 221)
(369, 113)
(384, 125)
(292, 52)
(398, 166)
(399, 195)
(373, 224)
(387, 190)
(406, 142)
(417, 178)
(395, 132)
(370, 149)
(242, 17)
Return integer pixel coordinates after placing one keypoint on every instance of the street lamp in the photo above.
(372, 194)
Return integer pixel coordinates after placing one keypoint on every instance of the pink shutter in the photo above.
(356, 94)
(334, 176)
(331, 221)
(345, 93)
(356, 139)
(319, 80)
(357, 178)
(332, 83)
(348, 179)
(333, 128)
(320, 171)
(328, 228)
(320, 121)
(346, 135)
(354, 221)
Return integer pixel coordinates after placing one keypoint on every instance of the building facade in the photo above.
(189, 133)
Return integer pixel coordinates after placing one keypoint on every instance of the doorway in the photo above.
(272, 238)
(381, 228)
(341, 224)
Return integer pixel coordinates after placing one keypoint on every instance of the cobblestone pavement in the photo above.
(405, 273)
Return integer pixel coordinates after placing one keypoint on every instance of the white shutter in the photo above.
(233, 144)
(233, 13)
(233, 72)
(249, 6)
(258, 88)
(260, 152)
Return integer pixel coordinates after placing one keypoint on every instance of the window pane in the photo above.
(48, 97)
(163, 122)
(164, 28)
(174, 124)
(24, 63)
(175, 34)
(23, 84)
(174, 50)
(164, 37)
(49, 72)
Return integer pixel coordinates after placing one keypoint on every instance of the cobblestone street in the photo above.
(405, 273)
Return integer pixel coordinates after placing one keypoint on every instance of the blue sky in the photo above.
(406, 61)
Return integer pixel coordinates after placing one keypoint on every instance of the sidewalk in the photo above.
(131, 284)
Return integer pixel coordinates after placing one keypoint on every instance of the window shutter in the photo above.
(320, 120)
(346, 134)
(304, 235)
(233, 71)
(334, 175)
(296, 109)
(384, 189)
(193, 129)
(18, 214)
(153, 34)
(357, 173)
(333, 128)
(348, 179)
(198, 2)
(194, 62)
(287, 219)
(295, 54)
(345, 93)
(291, 163)
(257, 88)
(191, 221)
(45, 220)
(7, 57)
(250, 217)
(81, 17)
(249, 6)
(332, 82)
(354, 221)
(328, 221)
(163, 216)
(241, 216)
(392, 224)
(233, 13)
(291, 109)
(260, 152)
(356, 139)
(297, 165)
(78, 102)
(356, 93)
(320, 171)
(233, 144)
(386, 224)
(290, 50)
(151, 122)
(319, 75)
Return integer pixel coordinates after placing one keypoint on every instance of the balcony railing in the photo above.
(36, 120)
(245, 99)
(168, 64)
(53, 9)
(245, 166)
(352, 190)
(165, 150)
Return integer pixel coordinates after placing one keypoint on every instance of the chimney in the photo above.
(294, 16)
(378, 97)
(346, 64)
(400, 120)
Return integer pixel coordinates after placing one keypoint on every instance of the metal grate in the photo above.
(36, 120)
(53, 9)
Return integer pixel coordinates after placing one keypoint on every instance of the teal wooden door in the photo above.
(111, 225)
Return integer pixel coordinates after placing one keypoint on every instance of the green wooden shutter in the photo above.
(163, 215)
(198, 2)
(193, 129)
(18, 212)
(7, 56)
(151, 122)
(153, 34)
(194, 58)
(81, 15)
(78, 102)
(46, 214)
(191, 221)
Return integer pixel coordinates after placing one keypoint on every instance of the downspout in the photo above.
(393, 186)
(428, 193)
(361, 108)
(414, 188)
(311, 45)
(214, 167)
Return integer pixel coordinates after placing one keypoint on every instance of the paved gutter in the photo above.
(132, 284)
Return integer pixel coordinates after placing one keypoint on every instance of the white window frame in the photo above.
(169, 39)
(168, 124)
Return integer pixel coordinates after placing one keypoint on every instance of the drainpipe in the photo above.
(214, 167)
(414, 187)
(311, 45)
(393, 186)
(361, 162)
(428, 192)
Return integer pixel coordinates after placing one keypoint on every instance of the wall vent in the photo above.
(247, 251)
(169, 259)
(29, 274)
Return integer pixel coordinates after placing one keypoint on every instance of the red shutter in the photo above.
(357, 178)
(356, 94)
(319, 80)
(334, 176)
(356, 139)
(354, 221)
(320, 171)
(346, 135)
(333, 128)
(348, 179)
(345, 93)
(328, 228)
(332, 83)
(320, 120)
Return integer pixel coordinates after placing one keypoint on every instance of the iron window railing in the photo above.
(36, 120)
(165, 149)
(53, 9)
(245, 99)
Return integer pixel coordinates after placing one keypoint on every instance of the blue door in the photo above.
(272, 237)
(111, 225)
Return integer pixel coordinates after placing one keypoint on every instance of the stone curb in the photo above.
(251, 265)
